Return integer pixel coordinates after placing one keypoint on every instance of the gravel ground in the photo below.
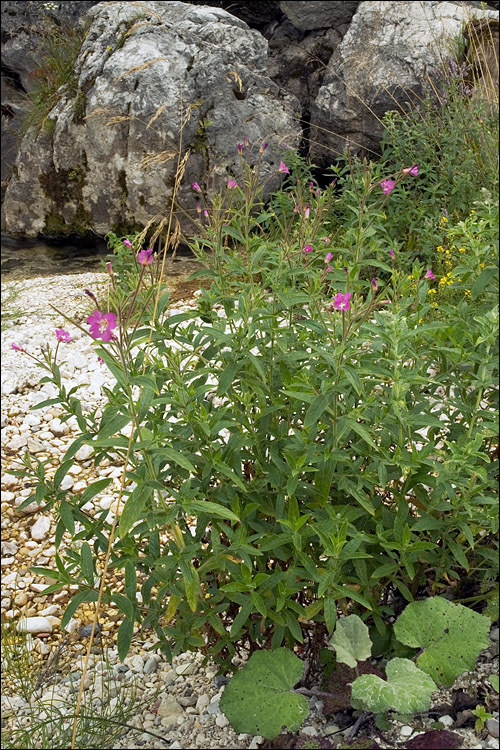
(180, 702)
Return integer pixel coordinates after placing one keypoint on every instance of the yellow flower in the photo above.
(448, 252)
(461, 249)
(440, 249)
(431, 291)
(453, 247)
(467, 292)
(420, 320)
(442, 280)
(443, 219)
(472, 212)
(409, 277)
(434, 304)
(481, 265)
(448, 262)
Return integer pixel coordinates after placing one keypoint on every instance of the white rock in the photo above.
(446, 720)
(202, 702)
(170, 709)
(84, 453)
(40, 528)
(311, 731)
(221, 721)
(406, 731)
(257, 740)
(18, 442)
(67, 483)
(188, 668)
(34, 625)
(9, 548)
(9, 480)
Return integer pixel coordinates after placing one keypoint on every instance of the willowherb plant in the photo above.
(308, 438)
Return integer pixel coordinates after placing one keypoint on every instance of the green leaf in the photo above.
(124, 638)
(481, 281)
(494, 682)
(130, 581)
(124, 604)
(133, 508)
(240, 619)
(213, 509)
(87, 563)
(74, 603)
(191, 583)
(93, 489)
(176, 458)
(114, 425)
(330, 612)
(451, 634)
(407, 689)
(316, 409)
(258, 698)
(61, 472)
(67, 516)
(351, 641)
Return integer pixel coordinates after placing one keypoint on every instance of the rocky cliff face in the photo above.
(155, 77)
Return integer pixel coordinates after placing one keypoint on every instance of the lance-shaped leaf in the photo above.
(258, 698)
(351, 640)
(407, 689)
(452, 636)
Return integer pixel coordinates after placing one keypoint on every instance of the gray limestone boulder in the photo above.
(308, 15)
(381, 64)
(148, 80)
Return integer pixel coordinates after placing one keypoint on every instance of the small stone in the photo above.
(9, 548)
(493, 727)
(151, 665)
(84, 453)
(202, 702)
(446, 721)
(219, 681)
(170, 709)
(213, 708)
(187, 668)
(406, 731)
(222, 721)
(34, 625)
(257, 740)
(67, 483)
(40, 528)
(331, 729)
(494, 634)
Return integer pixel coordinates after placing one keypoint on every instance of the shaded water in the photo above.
(33, 258)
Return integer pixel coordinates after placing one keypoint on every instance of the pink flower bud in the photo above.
(16, 347)
(392, 254)
(196, 187)
(263, 147)
(127, 243)
(328, 257)
(232, 183)
(240, 148)
(307, 249)
(374, 283)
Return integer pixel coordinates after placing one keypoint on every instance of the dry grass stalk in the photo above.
(137, 68)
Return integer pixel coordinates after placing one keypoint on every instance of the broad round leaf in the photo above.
(258, 698)
(407, 689)
(452, 636)
(351, 640)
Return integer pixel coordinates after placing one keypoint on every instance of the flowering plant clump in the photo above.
(305, 440)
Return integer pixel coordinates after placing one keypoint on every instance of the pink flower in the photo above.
(374, 283)
(100, 360)
(145, 257)
(326, 240)
(240, 148)
(205, 212)
(392, 254)
(330, 268)
(101, 326)
(283, 168)
(311, 186)
(62, 335)
(307, 249)
(429, 274)
(196, 187)
(127, 243)
(263, 147)
(16, 347)
(110, 270)
(387, 186)
(341, 301)
(231, 183)
(411, 170)
(306, 211)
(328, 257)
